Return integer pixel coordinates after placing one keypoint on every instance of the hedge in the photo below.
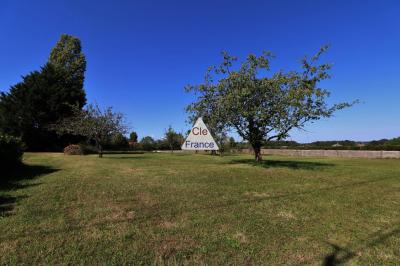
(11, 150)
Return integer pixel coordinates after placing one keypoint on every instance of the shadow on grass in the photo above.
(287, 164)
(341, 255)
(125, 157)
(14, 179)
(123, 152)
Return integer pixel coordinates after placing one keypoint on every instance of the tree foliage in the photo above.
(173, 139)
(262, 107)
(68, 57)
(44, 97)
(119, 142)
(94, 124)
(208, 107)
(11, 151)
(133, 137)
(148, 143)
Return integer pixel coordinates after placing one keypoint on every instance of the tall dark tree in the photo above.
(46, 96)
(133, 137)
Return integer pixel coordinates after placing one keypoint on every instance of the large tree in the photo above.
(262, 106)
(93, 123)
(45, 96)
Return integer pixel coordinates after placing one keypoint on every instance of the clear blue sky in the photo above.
(141, 54)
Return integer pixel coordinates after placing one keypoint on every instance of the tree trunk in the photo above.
(257, 152)
(100, 151)
(255, 139)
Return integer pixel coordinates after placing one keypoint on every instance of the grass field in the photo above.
(193, 208)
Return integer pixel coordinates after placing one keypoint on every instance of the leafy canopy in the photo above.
(94, 124)
(173, 139)
(260, 106)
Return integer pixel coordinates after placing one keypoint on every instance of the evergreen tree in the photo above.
(44, 97)
(133, 136)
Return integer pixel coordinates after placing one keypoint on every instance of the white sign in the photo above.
(199, 138)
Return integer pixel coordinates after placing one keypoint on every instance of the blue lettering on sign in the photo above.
(199, 145)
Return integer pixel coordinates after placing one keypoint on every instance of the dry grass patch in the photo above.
(168, 225)
(286, 215)
(171, 246)
(254, 194)
(8, 246)
(241, 238)
(146, 199)
(132, 171)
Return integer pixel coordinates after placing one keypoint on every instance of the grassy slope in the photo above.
(150, 208)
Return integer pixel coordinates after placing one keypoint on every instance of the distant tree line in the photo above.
(171, 141)
(383, 144)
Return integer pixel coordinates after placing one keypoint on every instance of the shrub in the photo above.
(11, 150)
(88, 149)
(73, 150)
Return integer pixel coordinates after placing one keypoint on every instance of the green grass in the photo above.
(200, 209)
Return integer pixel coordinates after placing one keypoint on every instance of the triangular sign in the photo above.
(199, 138)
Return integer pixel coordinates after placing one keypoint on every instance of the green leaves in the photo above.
(260, 106)
(44, 97)
(93, 123)
(173, 138)
(67, 56)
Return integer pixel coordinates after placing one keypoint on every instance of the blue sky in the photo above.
(141, 54)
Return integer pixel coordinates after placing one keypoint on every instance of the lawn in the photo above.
(200, 209)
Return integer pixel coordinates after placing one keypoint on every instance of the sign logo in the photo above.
(199, 138)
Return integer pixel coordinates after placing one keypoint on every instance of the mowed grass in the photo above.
(200, 209)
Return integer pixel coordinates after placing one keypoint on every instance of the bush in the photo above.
(88, 148)
(11, 150)
(73, 150)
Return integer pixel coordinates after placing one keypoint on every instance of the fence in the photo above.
(329, 153)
